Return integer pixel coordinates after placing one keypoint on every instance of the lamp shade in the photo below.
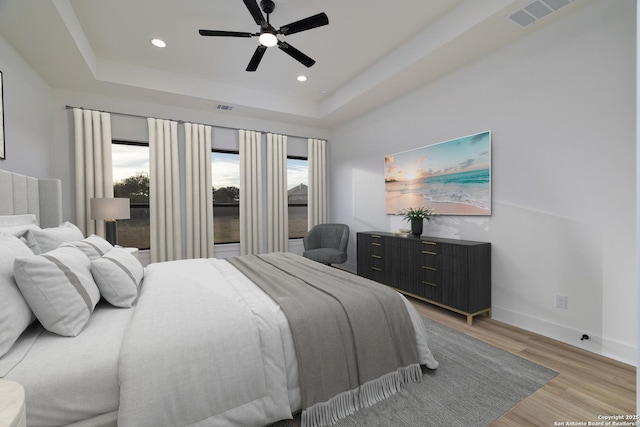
(110, 208)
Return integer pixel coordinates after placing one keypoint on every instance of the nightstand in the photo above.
(12, 406)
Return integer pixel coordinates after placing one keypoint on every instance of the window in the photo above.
(131, 179)
(297, 185)
(225, 177)
(225, 180)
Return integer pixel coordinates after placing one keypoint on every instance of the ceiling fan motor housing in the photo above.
(267, 6)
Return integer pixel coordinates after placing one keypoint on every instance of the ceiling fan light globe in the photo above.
(268, 39)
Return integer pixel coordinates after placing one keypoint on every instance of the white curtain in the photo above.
(94, 175)
(277, 197)
(317, 198)
(199, 196)
(164, 190)
(251, 216)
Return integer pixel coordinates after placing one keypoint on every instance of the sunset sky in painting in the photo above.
(459, 155)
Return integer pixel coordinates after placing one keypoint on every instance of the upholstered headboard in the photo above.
(20, 194)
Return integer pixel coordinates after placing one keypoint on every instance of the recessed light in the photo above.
(302, 78)
(158, 43)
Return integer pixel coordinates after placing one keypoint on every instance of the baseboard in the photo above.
(619, 351)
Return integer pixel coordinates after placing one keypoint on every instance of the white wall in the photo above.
(28, 121)
(561, 107)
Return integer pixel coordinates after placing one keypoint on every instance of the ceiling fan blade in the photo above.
(255, 11)
(296, 54)
(224, 33)
(256, 58)
(305, 24)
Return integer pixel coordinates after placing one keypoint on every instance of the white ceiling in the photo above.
(371, 52)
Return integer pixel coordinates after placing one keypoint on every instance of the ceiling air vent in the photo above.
(536, 10)
(225, 107)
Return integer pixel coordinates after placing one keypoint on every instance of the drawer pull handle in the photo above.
(376, 244)
(430, 284)
(376, 256)
(429, 268)
(376, 269)
(429, 253)
(424, 242)
(375, 236)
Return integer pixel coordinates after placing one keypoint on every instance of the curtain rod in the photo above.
(68, 107)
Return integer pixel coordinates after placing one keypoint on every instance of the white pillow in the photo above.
(118, 275)
(93, 246)
(15, 314)
(28, 239)
(15, 224)
(21, 219)
(50, 238)
(59, 288)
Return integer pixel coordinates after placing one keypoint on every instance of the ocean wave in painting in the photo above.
(469, 188)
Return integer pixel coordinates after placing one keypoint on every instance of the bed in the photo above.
(205, 342)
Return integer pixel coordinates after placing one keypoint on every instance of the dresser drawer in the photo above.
(376, 242)
(429, 289)
(428, 254)
(377, 250)
(454, 264)
(429, 275)
(377, 263)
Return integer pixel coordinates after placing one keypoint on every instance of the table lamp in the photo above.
(110, 209)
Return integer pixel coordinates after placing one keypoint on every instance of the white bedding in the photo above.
(204, 347)
(67, 379)
(201, 319)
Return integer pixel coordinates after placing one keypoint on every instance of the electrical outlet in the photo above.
(561, 301)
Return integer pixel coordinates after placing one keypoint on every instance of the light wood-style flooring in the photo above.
(588, 385)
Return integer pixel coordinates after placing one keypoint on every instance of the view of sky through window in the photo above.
(128, 160)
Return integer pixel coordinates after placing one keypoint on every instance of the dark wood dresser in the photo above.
(454, 274)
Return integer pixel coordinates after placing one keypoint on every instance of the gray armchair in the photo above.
(327, 243)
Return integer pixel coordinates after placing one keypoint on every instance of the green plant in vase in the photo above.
(416, 217)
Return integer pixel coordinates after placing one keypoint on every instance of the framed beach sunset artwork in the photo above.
(451, 177)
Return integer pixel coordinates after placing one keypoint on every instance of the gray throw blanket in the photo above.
(354, 339)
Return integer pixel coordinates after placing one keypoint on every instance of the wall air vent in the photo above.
(537, 10)
(225, 107)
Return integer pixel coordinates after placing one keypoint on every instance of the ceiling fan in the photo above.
(268, 35)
